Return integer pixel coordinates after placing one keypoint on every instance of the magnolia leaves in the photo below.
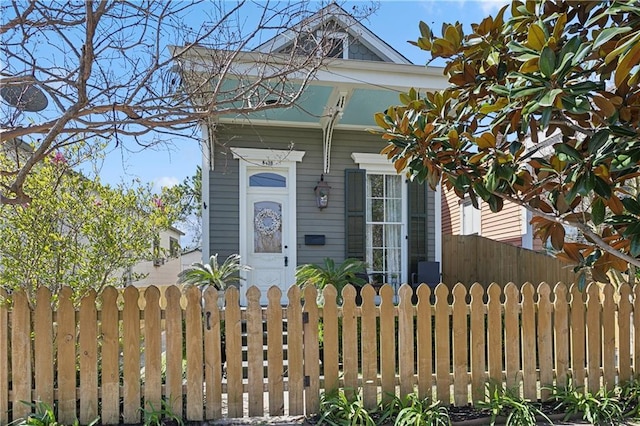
(543, 109)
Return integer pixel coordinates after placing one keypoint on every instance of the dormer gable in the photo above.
(343, 37)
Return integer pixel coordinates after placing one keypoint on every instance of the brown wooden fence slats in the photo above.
(21, 354)
(443, 354)
(561, 333)
(459, 330)
(387, 346)
(233, 333)
(110, 358)
(311, 350)
(173, 357)
(623, 317)
(275, 353)
(545, 339)
(608, 338)
(126, 349)
(528, 324)
(66, 345)
(330, 347)
(43, 346)
(369, 349)
(212, 355)
(424, 343)
(295, 354)
(152, 350)
(594, 341)
(88, 354)
(405, 340)
(4, 358)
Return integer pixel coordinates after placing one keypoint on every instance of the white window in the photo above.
(384, 227)
(386, 218)
(469, 218)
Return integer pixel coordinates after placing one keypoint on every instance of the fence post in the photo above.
(512, 335)
(275, 366)
(66, 345)
(624, 333)
(561, 333)
(88, 336)
(494, 333)
(110, 385)
(294, 352)
(21, 354)
(4, 357)
(212, 355)
(594, 337)
(460, 367)
(529, 342)
(311, 351)
(405, 340)
(425, 342)
(152, 349)
(608, 337)
(545, 340)
(43, 346)
(387, 343)
(349, 340)
(255, 354)
(233, 332)
(330, 335)
(369, 348)
(443, 350)
(478, 345)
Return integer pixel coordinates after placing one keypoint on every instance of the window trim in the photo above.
(379, 164)
(477, 213)
(336, 35)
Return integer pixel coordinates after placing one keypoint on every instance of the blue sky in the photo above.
(395, 22)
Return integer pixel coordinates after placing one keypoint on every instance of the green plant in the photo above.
(162, 416)
(212, 273)
(601, 408)
(630, 398)
(338, 409)
(44, 416)
(507, 403)
(411, 410)
(339, 276)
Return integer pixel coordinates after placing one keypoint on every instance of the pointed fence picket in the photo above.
(114, 354)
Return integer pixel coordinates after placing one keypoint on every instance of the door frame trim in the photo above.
(267, 159)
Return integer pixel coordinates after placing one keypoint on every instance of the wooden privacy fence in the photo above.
(113, 355)
(471, 258)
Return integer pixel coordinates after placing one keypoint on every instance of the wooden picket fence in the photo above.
(114, 353)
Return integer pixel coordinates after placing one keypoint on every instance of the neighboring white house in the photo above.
(164, 269)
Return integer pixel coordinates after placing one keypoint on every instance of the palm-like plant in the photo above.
(213, 274)
(339, 276)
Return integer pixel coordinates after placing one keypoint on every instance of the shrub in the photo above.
(601, 408)
(337, 409)
(505, 402)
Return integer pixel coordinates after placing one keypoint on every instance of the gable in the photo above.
(349, 36)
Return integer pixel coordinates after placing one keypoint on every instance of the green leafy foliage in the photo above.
(504, 402)
(601, 408)
(77, 231)
(563, 72)
(630, 398)
(161, 416)
(44, 415)
(338, 409)
(411, 410)
(339, 276)
(214, 274)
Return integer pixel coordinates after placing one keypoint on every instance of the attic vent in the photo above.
(336, 44)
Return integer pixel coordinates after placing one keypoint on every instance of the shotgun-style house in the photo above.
(292, 186)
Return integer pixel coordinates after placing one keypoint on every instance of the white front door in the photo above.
(268, 240)
(267, 218)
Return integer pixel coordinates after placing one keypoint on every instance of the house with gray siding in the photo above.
(261, 173)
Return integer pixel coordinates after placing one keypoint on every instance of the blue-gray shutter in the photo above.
(418, 225)
(355, 215)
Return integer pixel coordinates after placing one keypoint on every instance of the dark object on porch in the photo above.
(428, 273)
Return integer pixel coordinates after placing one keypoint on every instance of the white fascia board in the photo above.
(272, 155)
(348, 24)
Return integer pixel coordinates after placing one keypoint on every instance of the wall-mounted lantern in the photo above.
(322, 191)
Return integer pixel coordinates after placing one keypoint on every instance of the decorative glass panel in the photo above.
(267, 227)
(270, 180)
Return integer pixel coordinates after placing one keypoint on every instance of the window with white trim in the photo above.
(469, 218)
(336, 44)
(384, 227)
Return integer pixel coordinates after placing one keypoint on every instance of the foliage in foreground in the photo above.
(76, 231)
(213, 274)
(338, 275)
(340, 409)
(601, 408)
(507, 403)
(411, 410)
(44, 415)
(543, 110)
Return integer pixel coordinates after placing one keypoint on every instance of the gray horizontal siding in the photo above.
(224, 202)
